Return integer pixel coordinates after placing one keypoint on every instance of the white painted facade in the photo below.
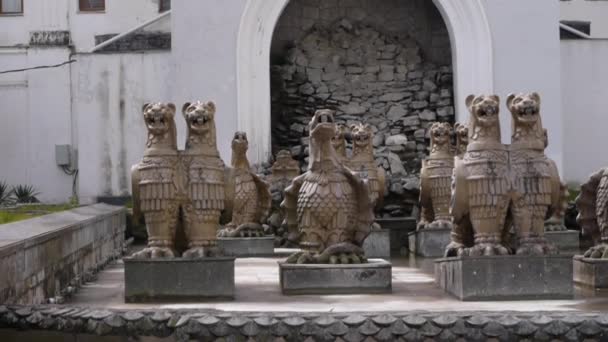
(584, 106)
(220, 52)
(594, 11)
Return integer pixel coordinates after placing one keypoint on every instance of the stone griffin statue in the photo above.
(536, 187)
(592, 205)
(328, 208)
(283, 171)
(480, 185)
(157, 185)
(436, 180)
(363, 162)
(252, 200)
(462, 138)
(557, 222)
(208, 189)
(339, 142)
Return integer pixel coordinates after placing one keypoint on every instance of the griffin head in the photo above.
(339, 138)
(440, 133)
(240, 144)
(484, 109)
(322, 126)
(160, 122)
(525, 108)
(159, 117)
(362, 135)
(462, 136)
(199, 116)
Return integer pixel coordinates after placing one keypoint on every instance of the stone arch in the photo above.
(472, 61)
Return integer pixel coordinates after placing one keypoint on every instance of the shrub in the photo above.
(25, 194)
(6, 194)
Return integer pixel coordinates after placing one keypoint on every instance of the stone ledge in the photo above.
(506, 277)
(247, 247)
(178, 279)
(44, 257)
(590, 272)
(372, 277)
(209, 325)
(428, 242)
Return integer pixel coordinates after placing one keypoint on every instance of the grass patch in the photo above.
(25, 212)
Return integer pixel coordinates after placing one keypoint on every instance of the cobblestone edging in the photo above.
(210, 325)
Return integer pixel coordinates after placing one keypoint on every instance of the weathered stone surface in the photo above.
(394, 140)
(247, 247)
(565, 241)
(399, 228)
(371, 277)
(195, 324)
(41, 257)
(178, 279)
(590, 272)
(429, 243)
(506, 277)
(378, 244)
(368, 76)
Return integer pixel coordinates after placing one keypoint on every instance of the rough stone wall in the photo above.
(42, 258)
(418, 18)
(371, 77)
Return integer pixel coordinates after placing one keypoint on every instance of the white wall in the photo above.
(62, 15)
(108, 93)
(36, 113)
(525, 37)
(595, 11)
(204, 37)
(585, 87)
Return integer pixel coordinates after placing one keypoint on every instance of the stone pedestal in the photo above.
(590, 272)
(565, 241)
(371, 277)
(178, 279)
(378, 244)
(247, 247)
(507, 277)
(399, 228)
(430, 243)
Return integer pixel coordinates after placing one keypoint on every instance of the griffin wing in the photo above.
(264, 198)
(290, 204)
(426, 205)
(364, 205)
(135, 179)
(381, 187)
(459, 205)
(590, 202)
(229, 191)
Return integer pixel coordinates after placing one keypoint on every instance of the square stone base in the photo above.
(590, 272)
(565, 241)
(160, 280)
(399, 227)
(372, 277)
(430, 243)
(247, 247)
(378, 244)
(507, 277)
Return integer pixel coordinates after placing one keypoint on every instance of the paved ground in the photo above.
(257, 289)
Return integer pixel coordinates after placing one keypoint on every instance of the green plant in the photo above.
(6, 194)
(25, 194)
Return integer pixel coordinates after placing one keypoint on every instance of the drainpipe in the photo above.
(136, 28)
